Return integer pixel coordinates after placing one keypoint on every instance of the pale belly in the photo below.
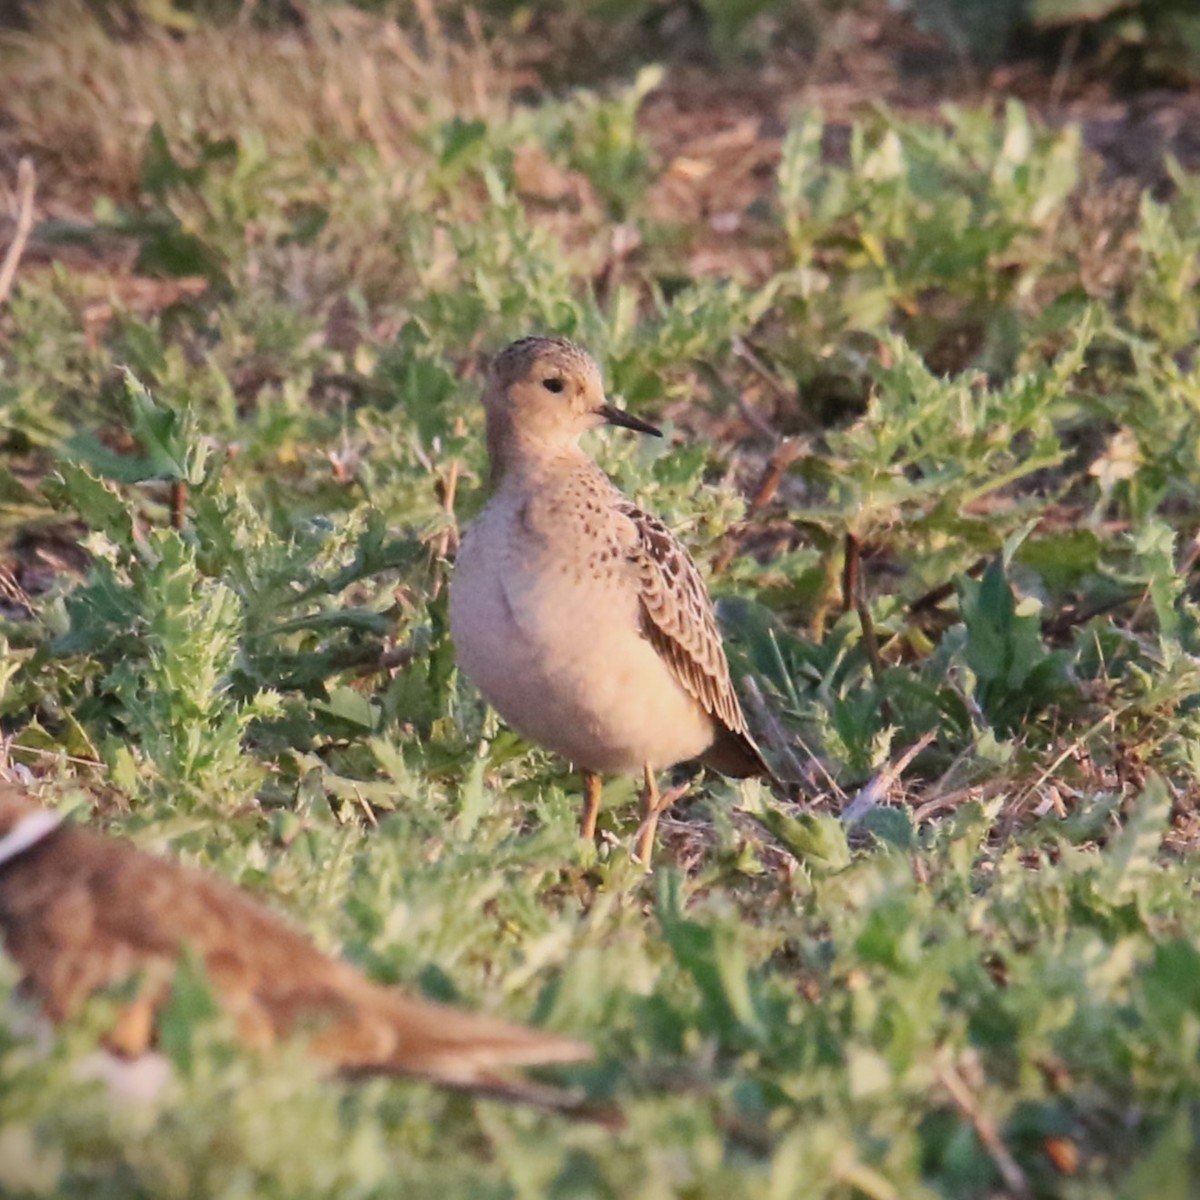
(560, 658)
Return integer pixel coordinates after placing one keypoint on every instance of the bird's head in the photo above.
(542, 393)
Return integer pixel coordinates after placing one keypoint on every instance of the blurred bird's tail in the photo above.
(392, 1034)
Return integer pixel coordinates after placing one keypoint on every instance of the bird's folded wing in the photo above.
(678, 618)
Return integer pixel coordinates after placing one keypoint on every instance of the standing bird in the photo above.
(582, 619)
(80, 912)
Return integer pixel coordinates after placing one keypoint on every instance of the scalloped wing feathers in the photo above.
(679, 621)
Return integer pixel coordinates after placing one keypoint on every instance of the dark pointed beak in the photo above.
(614, 416)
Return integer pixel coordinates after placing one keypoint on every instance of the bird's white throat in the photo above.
(27, 832)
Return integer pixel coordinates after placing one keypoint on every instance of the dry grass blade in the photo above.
(882, 783)
(985, 1130)
(85, 101)
(26, 182)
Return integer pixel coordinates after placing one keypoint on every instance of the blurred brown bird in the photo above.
(80, 911)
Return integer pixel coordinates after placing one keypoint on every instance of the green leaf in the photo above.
(817, 840)
(1154, 544)
(892, 826)
(172, 448)
(191, 1003)
(1132, 855)
(1004, 648)
(1063, 558)
(98, 504)
(1171, 985)
(714, 956)
(168, 251)
(1169, 1169)
(458, 137)
(161, 173)
(350, 706)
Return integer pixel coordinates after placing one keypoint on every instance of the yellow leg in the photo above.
(591, 805)
(651, 807)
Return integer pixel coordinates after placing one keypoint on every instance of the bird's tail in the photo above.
(393, 1034)
(736, 754)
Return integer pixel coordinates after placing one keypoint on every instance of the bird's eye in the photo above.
(553, 384)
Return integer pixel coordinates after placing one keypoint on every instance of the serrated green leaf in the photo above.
(350, 706)
(818, 840)
(98, 504)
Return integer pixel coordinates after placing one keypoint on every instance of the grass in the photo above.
(931, 419)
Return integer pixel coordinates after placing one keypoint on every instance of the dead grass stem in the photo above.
(82, 101)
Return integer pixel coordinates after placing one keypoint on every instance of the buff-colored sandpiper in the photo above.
(583, 620)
